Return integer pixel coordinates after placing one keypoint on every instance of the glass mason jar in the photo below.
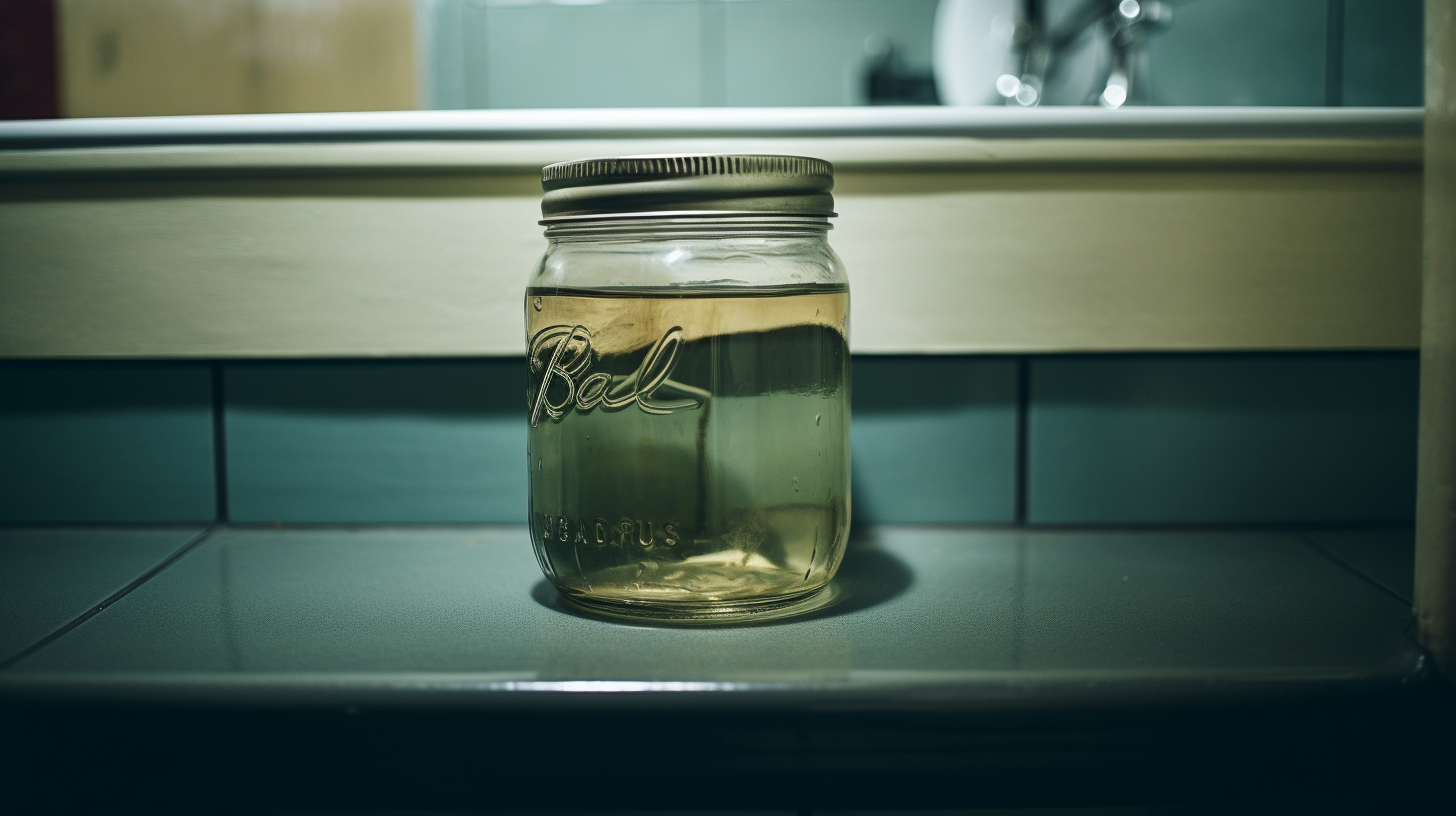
(688, 387)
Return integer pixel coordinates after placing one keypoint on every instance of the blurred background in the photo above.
(82, 58)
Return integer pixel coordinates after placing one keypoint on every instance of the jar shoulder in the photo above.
(717, 262)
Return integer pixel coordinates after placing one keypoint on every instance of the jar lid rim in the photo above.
(725, 183)
(578, 172)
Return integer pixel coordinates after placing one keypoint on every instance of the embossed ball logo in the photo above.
(563, 358)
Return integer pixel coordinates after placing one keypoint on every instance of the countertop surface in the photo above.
(413, 667)
(466, 611)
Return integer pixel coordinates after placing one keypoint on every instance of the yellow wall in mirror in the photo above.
(171, 57)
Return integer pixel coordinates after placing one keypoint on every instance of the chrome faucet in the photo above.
(1040, 52)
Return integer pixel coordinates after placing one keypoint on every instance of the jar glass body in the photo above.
(688, 390)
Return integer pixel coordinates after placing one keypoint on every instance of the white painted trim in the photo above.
(848, 153)
(955, 243)
(657, 123)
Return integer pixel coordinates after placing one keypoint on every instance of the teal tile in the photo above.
(713, 26)
(106, 442)
(1240, 52)
(934, 439)
(49, 577)
(622, 54)
(1387, 557)
(410, 441)
(451, 39)
(813, 52)
(1384, 51)
(469, 42)
(1243, 439)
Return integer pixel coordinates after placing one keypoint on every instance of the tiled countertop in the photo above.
(406, 665)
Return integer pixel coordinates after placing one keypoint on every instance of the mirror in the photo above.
(82, 58)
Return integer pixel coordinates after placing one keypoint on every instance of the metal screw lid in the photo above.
(689, 184)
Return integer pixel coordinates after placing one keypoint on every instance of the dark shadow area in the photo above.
(440, 388)
(51, 387)
(1232, 381)
(868, 577)
(901, 383)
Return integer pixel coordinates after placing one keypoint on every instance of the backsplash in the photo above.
(1156, 439)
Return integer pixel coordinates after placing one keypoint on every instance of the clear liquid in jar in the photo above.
(689, 452)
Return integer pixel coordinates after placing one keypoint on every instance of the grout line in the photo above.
(1023, 391)
(186, 548)
(1351, 568)
(219, 443)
